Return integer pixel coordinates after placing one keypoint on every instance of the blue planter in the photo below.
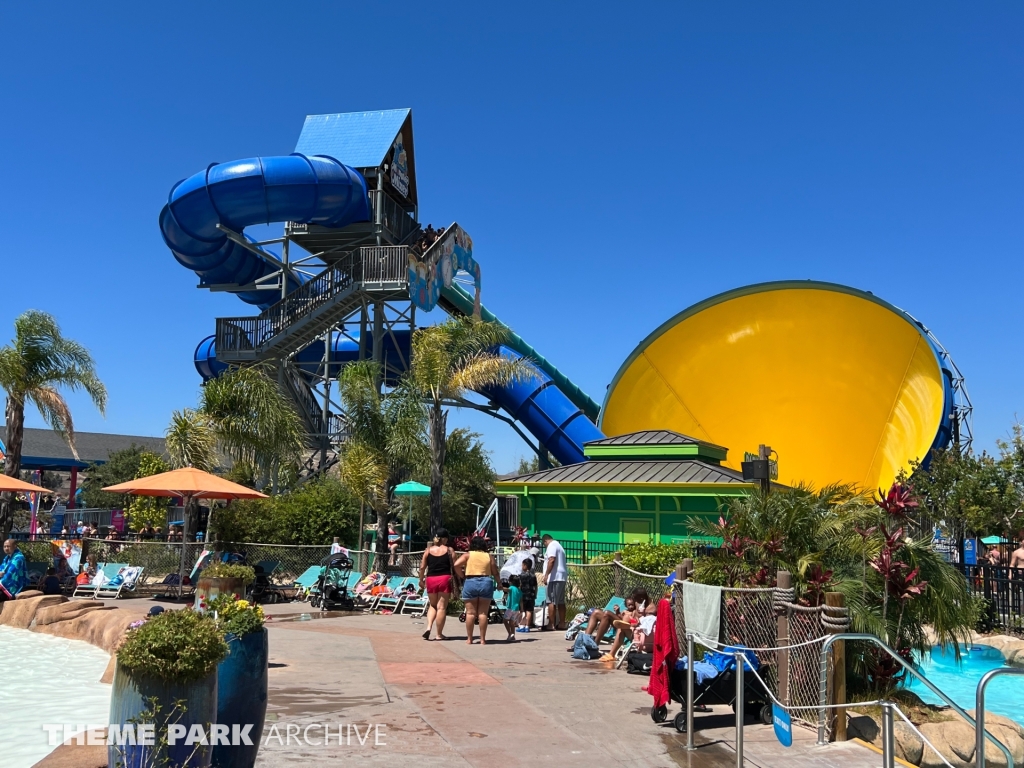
(130, 697)
(242, 697)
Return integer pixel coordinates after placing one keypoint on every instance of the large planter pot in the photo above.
(130, 697)
(242, 697)
(209, 587)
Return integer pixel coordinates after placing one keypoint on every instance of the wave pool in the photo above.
(1003, 696)
(47, 680)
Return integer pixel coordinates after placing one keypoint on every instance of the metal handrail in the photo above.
(979, 712)
(823, 689)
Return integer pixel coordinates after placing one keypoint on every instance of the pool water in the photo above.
(1004, 695)
(46, 680)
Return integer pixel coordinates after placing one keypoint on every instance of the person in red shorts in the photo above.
(437, 575)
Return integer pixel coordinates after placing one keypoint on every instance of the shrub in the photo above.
(230, 571)
(175, 645)
(655, 559)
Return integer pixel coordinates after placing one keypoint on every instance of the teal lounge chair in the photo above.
(128, 578)
(110, 570)
(397, 598)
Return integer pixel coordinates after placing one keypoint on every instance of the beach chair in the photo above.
(304, 584)
(392, 584)
(127, 578)
(110, 570)
(36, 572)
(398, 596)
(270, 567)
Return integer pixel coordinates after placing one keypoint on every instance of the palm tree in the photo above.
(386, 437)
(191, 441)
(449, 361)
(255, 423)
(33, 368)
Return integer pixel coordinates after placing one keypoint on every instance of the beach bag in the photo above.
(540, 616)
(82, 578)
(639, 663)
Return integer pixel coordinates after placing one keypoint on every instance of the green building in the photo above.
(638, 487)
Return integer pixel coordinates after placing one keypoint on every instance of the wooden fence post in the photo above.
(784, 581)
(684, 569)
(837, 687)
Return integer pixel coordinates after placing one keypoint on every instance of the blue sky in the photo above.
(614, 165)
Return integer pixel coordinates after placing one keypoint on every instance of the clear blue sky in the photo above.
(614, 163)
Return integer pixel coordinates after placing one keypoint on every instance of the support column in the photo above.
(325, 410)
(835, 611)
(784, 581)
(378, 339)
(74, 487)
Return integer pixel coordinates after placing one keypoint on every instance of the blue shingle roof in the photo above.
(357, 139)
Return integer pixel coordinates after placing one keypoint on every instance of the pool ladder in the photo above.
(888, 724)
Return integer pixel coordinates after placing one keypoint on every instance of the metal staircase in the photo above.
(369, 273)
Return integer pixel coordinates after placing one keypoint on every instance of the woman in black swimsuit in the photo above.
(436, 574)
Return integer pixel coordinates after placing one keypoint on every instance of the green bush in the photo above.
(176, 646)
(655, 559)
(236, 617)
(230, 571)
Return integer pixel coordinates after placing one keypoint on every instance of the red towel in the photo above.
(666, 653)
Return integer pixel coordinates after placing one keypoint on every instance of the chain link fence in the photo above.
(785, 635)
(592, 586)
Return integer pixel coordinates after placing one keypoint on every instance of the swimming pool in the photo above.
(1004, 695)
(47, 680)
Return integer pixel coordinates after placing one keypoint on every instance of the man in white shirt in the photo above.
(556, 573)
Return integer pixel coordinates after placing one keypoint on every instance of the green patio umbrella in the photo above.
(990, 540)
(411, 488)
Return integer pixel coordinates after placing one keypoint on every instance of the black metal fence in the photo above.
(1002, 589)
(583, 552)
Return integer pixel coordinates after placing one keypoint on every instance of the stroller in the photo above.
(718, 688)
(331, 590)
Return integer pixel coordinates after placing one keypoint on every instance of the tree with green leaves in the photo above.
(191, 440)
(121, 466)
(255, 423)
(34, 368)
(468, 480)
(449, 361)
(386, 437)
(147, 510)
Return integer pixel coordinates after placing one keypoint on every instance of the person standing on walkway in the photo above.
(528, 587)
(437, 576)
(480, 571)
(556, 573)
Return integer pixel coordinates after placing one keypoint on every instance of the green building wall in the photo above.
(615, 519)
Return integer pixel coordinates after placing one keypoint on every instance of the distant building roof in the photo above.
(357, 139)
(45, 449)
(652, 437)
(685, 471)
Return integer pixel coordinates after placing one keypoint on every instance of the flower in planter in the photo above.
(236, 617)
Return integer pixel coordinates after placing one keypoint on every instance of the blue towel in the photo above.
(701, 670)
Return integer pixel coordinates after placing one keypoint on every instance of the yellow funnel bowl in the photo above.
(845, 387)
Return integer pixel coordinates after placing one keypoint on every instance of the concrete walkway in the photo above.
(508, 704)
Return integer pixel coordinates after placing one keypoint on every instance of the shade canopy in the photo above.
(14, 484)
(991, 540)
(190, 482)
(412, 488)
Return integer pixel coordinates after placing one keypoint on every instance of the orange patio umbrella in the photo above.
(188, 483)
(15, 485)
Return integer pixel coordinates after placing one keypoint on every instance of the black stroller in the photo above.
(719, 689)
(331, 590)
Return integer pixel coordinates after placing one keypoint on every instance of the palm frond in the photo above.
(191, 441)
(55, 412)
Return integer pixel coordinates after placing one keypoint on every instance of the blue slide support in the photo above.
(320, 190)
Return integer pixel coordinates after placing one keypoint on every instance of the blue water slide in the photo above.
(259, 190)
(396, 350)
(540, 406)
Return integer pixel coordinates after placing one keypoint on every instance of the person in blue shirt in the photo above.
(13, 570)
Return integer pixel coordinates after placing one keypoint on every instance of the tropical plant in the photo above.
(34, 367)
(191, 441)
(839, 540)
(656, 559)
(178, 646)
(255, 423)
(385, 441)
(449, 361)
